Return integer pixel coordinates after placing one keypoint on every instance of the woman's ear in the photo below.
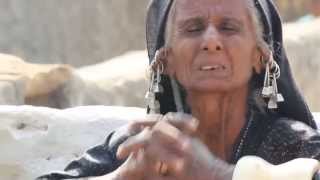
(260, 58)
(168, 61)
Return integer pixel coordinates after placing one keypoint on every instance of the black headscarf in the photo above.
(294, 106)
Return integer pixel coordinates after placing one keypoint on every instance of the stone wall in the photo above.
(38, 140)
(82, 32)
(77, 32)
(302, 44)
(292, 9)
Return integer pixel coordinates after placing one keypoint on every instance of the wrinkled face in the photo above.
(213, 45)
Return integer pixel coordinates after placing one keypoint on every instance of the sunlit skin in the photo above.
(315, 7)
(212, 53)
(218, 35)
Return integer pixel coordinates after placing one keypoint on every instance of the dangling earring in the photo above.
(267, 88)
(270, 88)
(156, 69)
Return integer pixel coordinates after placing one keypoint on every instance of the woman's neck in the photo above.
(221, 117)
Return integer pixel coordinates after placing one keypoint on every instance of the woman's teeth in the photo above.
(211, 68)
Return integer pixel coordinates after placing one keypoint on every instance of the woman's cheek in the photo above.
(183, 68)
(184, 77)
(241, 60)
(243, 73)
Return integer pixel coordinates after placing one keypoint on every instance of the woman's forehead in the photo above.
(186, 9)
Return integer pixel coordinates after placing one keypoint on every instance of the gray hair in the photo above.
(254, 17)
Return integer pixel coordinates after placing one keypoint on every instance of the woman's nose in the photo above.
(211, 40)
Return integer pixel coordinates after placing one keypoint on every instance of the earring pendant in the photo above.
(270, 88)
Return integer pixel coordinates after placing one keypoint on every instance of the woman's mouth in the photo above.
(212, 68)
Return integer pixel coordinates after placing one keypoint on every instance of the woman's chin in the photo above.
(213, 86)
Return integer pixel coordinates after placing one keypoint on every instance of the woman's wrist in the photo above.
(221, 170)
(227, 173)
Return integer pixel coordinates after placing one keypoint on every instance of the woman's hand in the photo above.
(165, 149)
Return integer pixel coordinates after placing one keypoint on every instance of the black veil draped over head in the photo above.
(101, 160)
(294, 106)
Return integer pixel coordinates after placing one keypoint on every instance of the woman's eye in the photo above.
(229, 28)
(195, 28)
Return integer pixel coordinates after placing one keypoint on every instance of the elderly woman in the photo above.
(217, 93)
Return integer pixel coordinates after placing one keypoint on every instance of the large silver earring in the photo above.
(159, 70)
(156, 69)
(270, 88)
(267, 88)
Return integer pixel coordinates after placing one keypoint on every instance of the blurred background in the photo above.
(81, 52)
(82, 32)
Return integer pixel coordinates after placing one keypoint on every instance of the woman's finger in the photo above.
(161, 161)
(168, 134)
(160, 145)
(184, 122)
(138, 125)
(165, 146)
(160, 150)
(163, 158)
(134, 143)
(162, 133)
